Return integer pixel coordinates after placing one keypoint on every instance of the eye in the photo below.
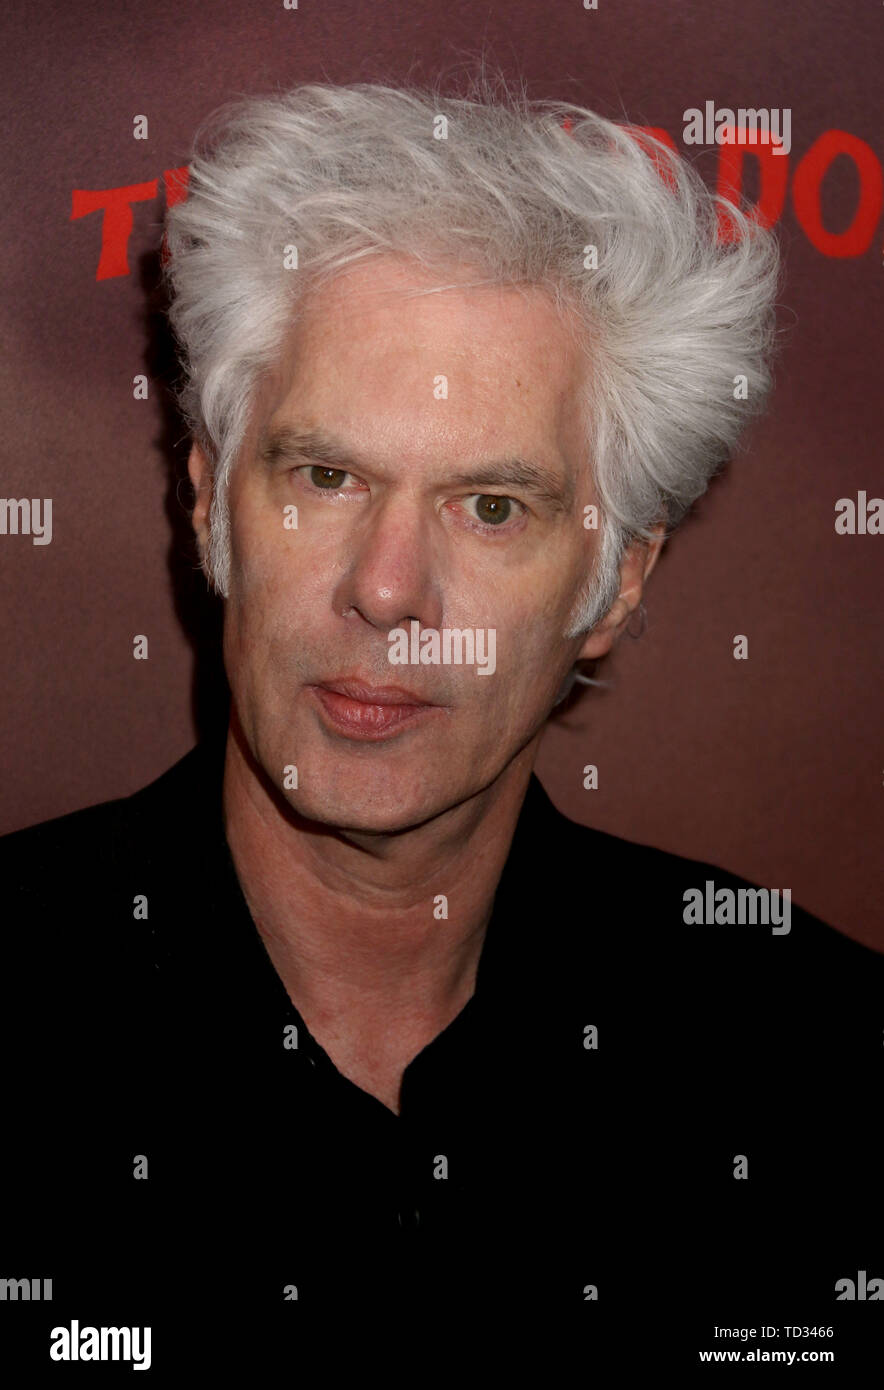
(493, 511)
(325, 479)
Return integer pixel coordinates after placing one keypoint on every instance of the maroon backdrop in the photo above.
(771, 767)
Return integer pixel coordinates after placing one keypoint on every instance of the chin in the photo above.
(358, 814)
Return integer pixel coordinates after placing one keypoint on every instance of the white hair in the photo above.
(671, 320)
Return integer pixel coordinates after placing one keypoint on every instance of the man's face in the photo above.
(392, 526)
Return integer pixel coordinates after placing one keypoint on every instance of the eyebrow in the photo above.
(286, 443)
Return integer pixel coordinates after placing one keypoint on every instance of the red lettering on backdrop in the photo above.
(640, 132)
(116, 203)
(116, 225)
(774, 179)
(774, 175)
(175, 182)
(807, 203)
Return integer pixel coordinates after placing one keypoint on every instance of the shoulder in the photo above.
(95, 835)
(70, 886)
(678, 908)
(30, 858)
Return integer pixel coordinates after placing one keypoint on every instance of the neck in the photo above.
(348, 919)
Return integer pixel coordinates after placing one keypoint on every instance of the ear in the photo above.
(638, 561)
(201, 477)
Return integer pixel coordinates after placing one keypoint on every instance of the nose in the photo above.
(395, 568)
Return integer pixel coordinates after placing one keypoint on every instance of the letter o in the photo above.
(809, 175)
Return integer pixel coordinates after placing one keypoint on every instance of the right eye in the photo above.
(325, 479)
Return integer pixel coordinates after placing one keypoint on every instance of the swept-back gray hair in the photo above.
(672, 317)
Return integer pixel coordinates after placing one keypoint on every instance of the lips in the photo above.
(358, 710)
(374, 694)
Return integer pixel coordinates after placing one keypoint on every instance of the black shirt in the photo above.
(573, 1140)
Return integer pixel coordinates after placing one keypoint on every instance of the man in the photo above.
(341, 1009)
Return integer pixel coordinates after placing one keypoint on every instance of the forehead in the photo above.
(391, 340)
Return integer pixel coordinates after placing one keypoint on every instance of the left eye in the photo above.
(492, 510)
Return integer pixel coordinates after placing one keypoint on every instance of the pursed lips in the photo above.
(374, 694)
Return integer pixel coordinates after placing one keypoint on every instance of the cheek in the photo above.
(250, 551)
(263, 566)
(534, 661)
(266, 618)
(250, 612)
(273, 545)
